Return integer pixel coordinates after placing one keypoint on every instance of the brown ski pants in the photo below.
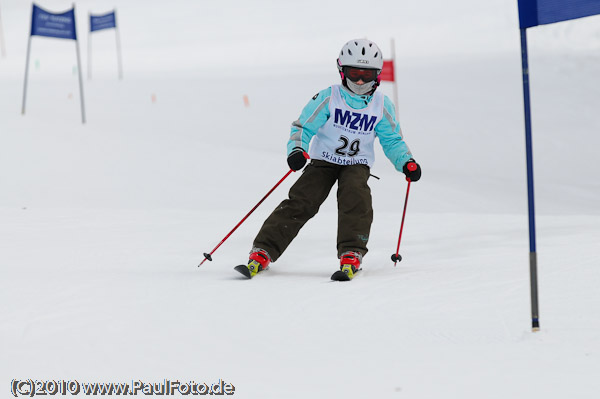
(355, 210)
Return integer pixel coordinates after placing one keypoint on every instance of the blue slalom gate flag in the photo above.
(533, 13)
(102, 22)
(45, 23)
(59, 25)
(105, 21)
(542, 12)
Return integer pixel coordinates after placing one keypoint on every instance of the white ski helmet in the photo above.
(360, 53)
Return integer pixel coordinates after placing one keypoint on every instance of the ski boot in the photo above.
(349, 266)
(259, 261)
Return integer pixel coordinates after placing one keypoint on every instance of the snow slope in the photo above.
(102, 225)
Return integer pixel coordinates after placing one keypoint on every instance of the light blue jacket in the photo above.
(316, 112)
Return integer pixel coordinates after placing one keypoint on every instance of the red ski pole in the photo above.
(209, 255)
(396, 257)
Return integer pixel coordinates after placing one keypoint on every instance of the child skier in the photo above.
(342, 121)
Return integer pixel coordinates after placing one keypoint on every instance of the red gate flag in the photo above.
(387, 73)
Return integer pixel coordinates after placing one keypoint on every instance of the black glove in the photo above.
(296, 160)
(414, 174)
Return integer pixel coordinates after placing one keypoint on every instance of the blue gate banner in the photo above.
(106, 21)
(44, 23)
(541, 12)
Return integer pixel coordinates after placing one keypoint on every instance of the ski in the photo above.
(243, 269)
(337, 276)
(343, 276)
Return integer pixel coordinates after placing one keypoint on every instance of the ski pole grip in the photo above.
(412, 166)
(305, 155)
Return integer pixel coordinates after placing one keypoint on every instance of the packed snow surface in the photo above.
(103, 224)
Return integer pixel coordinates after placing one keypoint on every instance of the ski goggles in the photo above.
(356, 74)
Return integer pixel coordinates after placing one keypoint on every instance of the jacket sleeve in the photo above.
(313, 116)
(390, 137)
